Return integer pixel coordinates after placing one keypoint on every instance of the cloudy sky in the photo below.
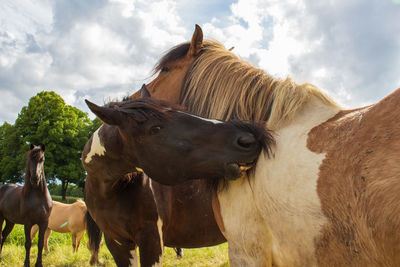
(102, 49)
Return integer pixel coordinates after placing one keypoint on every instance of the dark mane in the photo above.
(145, 108)
(129, 179)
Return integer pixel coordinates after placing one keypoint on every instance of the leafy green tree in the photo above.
(12, 161)
(63, 129)
(96, 123)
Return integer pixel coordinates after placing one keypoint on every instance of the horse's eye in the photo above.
(155, 129)
(165, 69)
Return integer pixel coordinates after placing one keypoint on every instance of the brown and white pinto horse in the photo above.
(29, 204)
(148, 134)
(331, 194)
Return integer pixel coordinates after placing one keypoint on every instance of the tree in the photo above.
(12, 161)
(63, 128)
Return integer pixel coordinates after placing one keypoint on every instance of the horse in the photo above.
(328, 197)
(28, 204)
(120, 198)
(66, 218)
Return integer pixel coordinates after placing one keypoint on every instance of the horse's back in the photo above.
(67, 217)
(77, 216)
(359, 185)
(10, 202)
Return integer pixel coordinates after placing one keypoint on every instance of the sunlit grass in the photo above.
(60, 253)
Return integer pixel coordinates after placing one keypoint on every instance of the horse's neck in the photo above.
(41, 189)
(290, 180)
(105, 159)
(313, 113)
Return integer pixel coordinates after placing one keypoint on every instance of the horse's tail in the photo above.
(94, 234)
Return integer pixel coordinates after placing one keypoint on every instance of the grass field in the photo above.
(60, 253)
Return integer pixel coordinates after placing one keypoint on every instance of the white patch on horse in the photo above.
(204, 119)
(280, 204)
(160, 233)
(96, 148)
(159, 262)
(133, 262)
(116, 241)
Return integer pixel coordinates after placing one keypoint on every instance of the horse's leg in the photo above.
(42, 230)
(73, 237)
(179, 252)
(123, 254)
(1, 237)
(34, 230)
(150, 247)
(46, 239)
(78, 237)
(27, 229)
(94, 234)
(6, 231)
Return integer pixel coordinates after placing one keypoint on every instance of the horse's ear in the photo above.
(31, 146)
(42, 147)
(107, 115)
(196, 43)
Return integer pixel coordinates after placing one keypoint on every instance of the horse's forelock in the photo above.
(175, 53)
(146, 108)
(34, 154)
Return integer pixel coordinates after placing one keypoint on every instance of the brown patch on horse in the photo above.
(360, 198)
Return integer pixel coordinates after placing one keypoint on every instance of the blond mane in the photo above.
(222, 86)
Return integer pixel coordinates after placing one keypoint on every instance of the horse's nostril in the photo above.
(246, 141)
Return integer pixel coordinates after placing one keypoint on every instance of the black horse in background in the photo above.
(29, 204)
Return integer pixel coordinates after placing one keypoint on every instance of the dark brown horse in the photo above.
(120, 199)
(29, 204)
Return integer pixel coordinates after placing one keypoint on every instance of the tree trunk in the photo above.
(64, 187)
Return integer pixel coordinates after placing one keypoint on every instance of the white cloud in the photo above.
(100, 49)
(349, 49)
(106, 48)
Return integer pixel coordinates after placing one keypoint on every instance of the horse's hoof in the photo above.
(93, 261)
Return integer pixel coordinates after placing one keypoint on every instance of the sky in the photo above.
(106, 49)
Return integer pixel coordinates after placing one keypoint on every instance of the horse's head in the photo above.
(172, 69)
(172, 146)
(35, 165)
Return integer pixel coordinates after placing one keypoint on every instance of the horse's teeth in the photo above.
(244, 168)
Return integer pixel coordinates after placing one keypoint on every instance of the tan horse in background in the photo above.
(331, 194)
(66, 218)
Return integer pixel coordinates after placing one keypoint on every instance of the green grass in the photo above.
(60, 253)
